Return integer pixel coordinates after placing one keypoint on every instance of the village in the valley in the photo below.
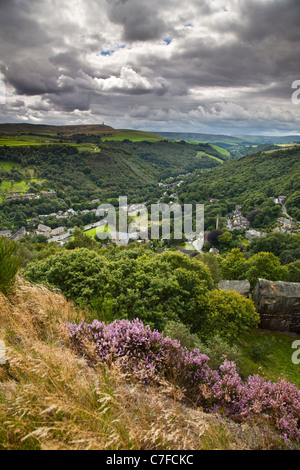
(62, 235)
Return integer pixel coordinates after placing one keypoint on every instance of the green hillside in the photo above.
(253, 177)
(251, 182)
(82, 168)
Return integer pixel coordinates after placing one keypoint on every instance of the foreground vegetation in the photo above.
(51, 399)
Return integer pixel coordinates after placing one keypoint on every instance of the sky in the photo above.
(212, 66)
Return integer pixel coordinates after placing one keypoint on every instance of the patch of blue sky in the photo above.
(109, 52)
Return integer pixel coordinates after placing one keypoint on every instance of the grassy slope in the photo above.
(221, 150)
(51, 399)
(201, 154)
(277, 362)
(118, 166)
(134, 136)
(275, 173)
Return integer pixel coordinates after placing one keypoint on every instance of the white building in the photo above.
(44, 228)
(57, 231)
(254, 233)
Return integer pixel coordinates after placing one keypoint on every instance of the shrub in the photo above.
(139, 351)
(218, 351)
(260, 350)
(216, 348)
(226, 314)
(182, 333)
(9, 265)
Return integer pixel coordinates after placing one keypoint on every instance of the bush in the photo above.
(218, 351)
(213, 264)
(226, 314)
(182, 333)
(9, 265)
(216, 348)
(260, 350)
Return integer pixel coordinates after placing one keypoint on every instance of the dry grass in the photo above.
(51, 399)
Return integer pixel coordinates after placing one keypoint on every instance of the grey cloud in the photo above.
(140, 20)
(17, 104)
(278, 19)
(68, 102)
(18, 29)
(31, 77)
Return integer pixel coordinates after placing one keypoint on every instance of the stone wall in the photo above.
(278, 304)
(241, 287)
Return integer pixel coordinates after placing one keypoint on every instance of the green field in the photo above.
(221, 150)
(202, 154)
(134, 136)
(276, 362)
(93, 231)
(19, 143)
(10, 187)
(7, 166)
(189, 246)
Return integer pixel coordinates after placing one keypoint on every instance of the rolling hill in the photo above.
(250, 180)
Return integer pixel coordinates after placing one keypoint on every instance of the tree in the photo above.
(265, 266)
(81, 240)
(138, 282)
(213, 263)
(234, 266)
(294, 271)
(212, 237)
(225, 239)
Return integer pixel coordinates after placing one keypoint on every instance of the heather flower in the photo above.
(150, 357)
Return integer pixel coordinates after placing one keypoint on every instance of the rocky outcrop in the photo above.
(278, 304)
(241, 287)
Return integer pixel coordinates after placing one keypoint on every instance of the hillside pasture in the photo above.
(134, 136)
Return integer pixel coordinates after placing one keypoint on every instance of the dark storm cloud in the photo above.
(67, 61)
(273, 19)
(31, 77)
(18, 29)
(140, 20)
(169, 64)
